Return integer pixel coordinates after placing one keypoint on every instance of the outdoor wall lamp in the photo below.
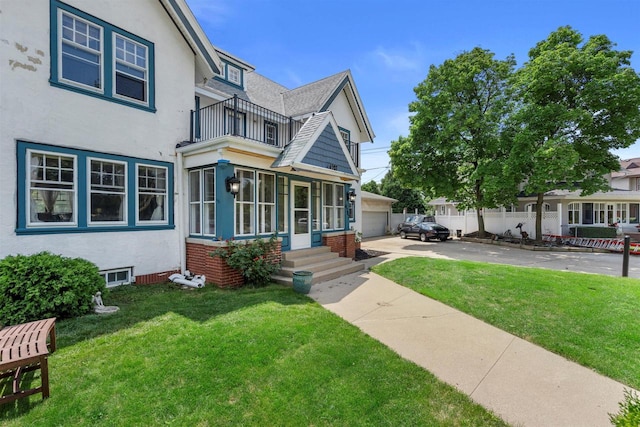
(352, 196)
(233, 185)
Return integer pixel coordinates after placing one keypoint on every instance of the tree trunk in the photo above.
(480, 223)
(539, 205)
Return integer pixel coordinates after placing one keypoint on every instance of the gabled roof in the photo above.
(307, 99)
(318, 147)
(207, 60)
(373, 196)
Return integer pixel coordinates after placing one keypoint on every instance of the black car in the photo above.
(423, 227)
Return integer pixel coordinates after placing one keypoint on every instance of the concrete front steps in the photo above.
(324, 264)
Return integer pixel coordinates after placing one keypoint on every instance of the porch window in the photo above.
(202, 209)
(316, 200)
(333, 206)
(573, 209)
(52, 189)
(600, 213)
(245, 203)
(266, 203)
(283, 204)
(634, 213)
(587, 213)
(152, 194)
(621, 212)
(108, 199)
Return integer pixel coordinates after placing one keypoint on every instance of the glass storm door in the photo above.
(301, 215)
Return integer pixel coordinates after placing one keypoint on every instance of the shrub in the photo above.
(256, 260)
(593, 232)
(45, 285)
(629, 414)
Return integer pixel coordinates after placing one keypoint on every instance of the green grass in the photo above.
(205, 357)
(591, 319)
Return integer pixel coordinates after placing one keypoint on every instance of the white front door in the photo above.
(301, 215)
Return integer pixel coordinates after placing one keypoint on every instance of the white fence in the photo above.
(500, 222)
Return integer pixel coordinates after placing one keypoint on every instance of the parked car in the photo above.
(423, 227)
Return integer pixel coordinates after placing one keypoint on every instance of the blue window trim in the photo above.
(225, 79)
(82, 190)
(107, 92)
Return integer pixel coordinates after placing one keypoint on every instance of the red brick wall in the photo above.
(148, 279)
(216, 270)
(344, 244)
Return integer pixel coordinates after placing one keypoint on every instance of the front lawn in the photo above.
(248, 357)
(591, 319)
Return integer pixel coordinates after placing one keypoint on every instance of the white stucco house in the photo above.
(131, 141)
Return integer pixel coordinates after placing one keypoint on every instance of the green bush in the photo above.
(257, 260)
(629, 414)
(594, 232)
(45, 285)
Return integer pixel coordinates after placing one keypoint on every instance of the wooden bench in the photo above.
(25, 348)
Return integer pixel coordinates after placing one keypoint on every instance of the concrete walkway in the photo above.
(522, 383)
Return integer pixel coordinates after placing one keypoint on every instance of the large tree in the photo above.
(371, 187)
(454, 147)
(576, 102)
(407, 198)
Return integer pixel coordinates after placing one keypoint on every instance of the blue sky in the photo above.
(389, 45)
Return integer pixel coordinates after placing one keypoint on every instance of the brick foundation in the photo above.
(149, 279)
(344, 243)
(216, 270)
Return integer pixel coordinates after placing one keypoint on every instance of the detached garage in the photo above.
(376, 214)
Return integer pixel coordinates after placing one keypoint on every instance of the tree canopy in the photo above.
(407, 198)
(575, 102)
(371, 187)
(454, 147)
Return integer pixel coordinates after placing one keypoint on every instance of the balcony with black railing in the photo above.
(240, 118)
(237, 117)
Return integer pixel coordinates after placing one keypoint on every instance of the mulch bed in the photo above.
(368, 253)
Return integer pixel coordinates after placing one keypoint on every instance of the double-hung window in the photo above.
(333, 203)
(152, 194)
(81, 47)
(108, 198)
(65, 190)
(270, 133)
(202, 197)
(52, 188)
(131, 69)
(266, 203)
(573, 211)
(245, 203)
(94, 57)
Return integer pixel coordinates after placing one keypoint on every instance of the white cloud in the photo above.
(210, 12)
(401, 59)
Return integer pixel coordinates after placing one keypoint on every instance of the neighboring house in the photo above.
(376, 214)
(562, 209)
(103, 159)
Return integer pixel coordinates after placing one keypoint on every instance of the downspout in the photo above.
(180, 220)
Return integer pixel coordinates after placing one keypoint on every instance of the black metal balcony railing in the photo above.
(237, 117)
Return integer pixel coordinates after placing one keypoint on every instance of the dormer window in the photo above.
(233, 75)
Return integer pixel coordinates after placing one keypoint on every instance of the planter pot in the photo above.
(302, 281)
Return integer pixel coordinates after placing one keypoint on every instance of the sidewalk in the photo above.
(522, 383)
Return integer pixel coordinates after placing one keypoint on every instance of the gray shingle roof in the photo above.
(311, 97)
(302, 100)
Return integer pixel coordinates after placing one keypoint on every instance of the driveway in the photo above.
(600, 263)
